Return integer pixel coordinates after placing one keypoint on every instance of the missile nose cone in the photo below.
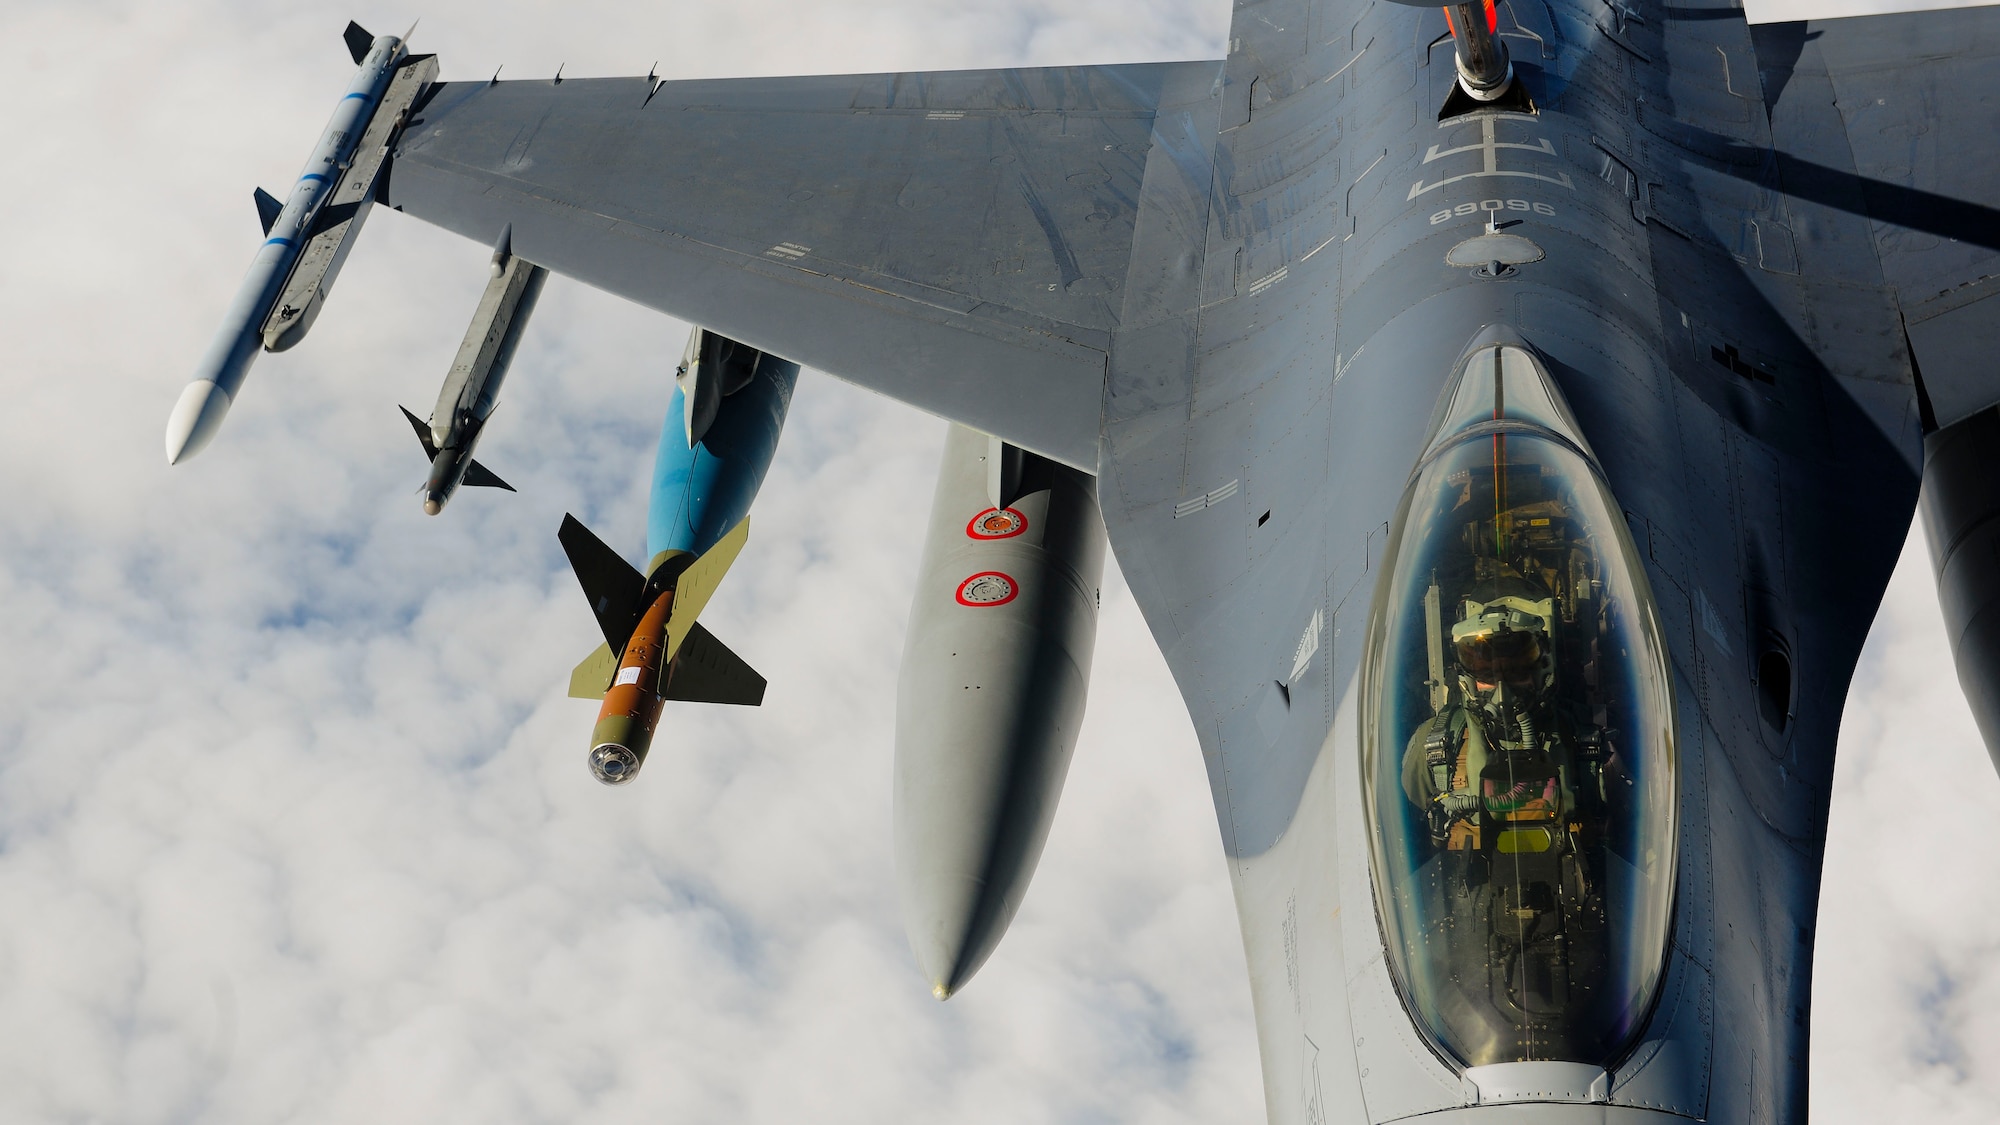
(433, 504)
(195, 419)
(941, 992)
(613, 764)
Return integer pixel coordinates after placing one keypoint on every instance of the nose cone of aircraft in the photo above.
(195, 419)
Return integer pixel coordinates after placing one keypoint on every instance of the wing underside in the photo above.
(961, 241)
(1915, 95)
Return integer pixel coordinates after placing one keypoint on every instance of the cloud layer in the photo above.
(294, 820)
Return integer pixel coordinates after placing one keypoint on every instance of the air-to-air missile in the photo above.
(472, 387)
(707, 472)
(307, 236)
(995, 672)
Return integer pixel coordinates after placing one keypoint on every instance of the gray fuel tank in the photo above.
(1961, 513)
(995, 671)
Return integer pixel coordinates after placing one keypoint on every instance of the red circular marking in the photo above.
(988, 588)
(996, 523)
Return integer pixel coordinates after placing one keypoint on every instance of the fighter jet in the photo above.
(1506, 417)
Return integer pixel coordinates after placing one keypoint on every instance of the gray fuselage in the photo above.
(1268, 398)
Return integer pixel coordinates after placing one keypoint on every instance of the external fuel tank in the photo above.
(1960, 503)
(995, 672)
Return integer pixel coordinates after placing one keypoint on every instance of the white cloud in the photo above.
(1906, 996)
(1779, 11)
(294, 821)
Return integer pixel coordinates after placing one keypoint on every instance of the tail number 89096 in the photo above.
(1464, 209)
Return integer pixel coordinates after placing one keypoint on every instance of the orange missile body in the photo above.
(653, 649)
(631, 709)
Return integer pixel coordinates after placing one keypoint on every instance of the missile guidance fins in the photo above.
(358, 41)
(697, 584)
(664, 654)
(705, 671)
(479, 476)
(268, 208)
(615, 588)
(591, 678)
(423, 432)
(476, 475)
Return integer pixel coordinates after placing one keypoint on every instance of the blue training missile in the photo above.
(702, 491)
(266, 312)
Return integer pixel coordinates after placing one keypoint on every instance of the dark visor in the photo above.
(1487, 655)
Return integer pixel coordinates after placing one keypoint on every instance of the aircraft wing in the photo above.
(1918, 95)
(961, 241)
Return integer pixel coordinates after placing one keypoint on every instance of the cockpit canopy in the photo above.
(1518, 740)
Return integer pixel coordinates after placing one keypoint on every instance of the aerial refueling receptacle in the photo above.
(1485, 73)
(1484, 70)
(307, 240)
(995, 673)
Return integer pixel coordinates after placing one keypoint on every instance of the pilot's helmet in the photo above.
(1505, 640)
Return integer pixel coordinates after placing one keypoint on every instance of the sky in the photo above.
(295, 824)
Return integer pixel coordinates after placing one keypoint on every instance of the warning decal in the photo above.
(997, 523)
(988, 588)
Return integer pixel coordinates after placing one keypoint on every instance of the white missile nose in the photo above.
(195, 419)
(432, 505)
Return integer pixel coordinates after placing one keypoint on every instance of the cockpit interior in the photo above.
(1519, 743)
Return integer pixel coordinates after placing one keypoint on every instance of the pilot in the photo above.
(1490, 755)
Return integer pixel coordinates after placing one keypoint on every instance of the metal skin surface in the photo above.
(631, 708)
(982, 285)
(1961, 511)
(1758, 263)
(703, 489)
(995, 673)
(1313, 367)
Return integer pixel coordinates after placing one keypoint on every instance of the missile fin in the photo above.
(614, 588)
(358, 41)
(705, 671)
(268, 208)
(479, 476)
(423, 434)
(698, 582)
(592, 678)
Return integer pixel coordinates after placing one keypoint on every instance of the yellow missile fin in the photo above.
(697, 584)
(592, 678)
